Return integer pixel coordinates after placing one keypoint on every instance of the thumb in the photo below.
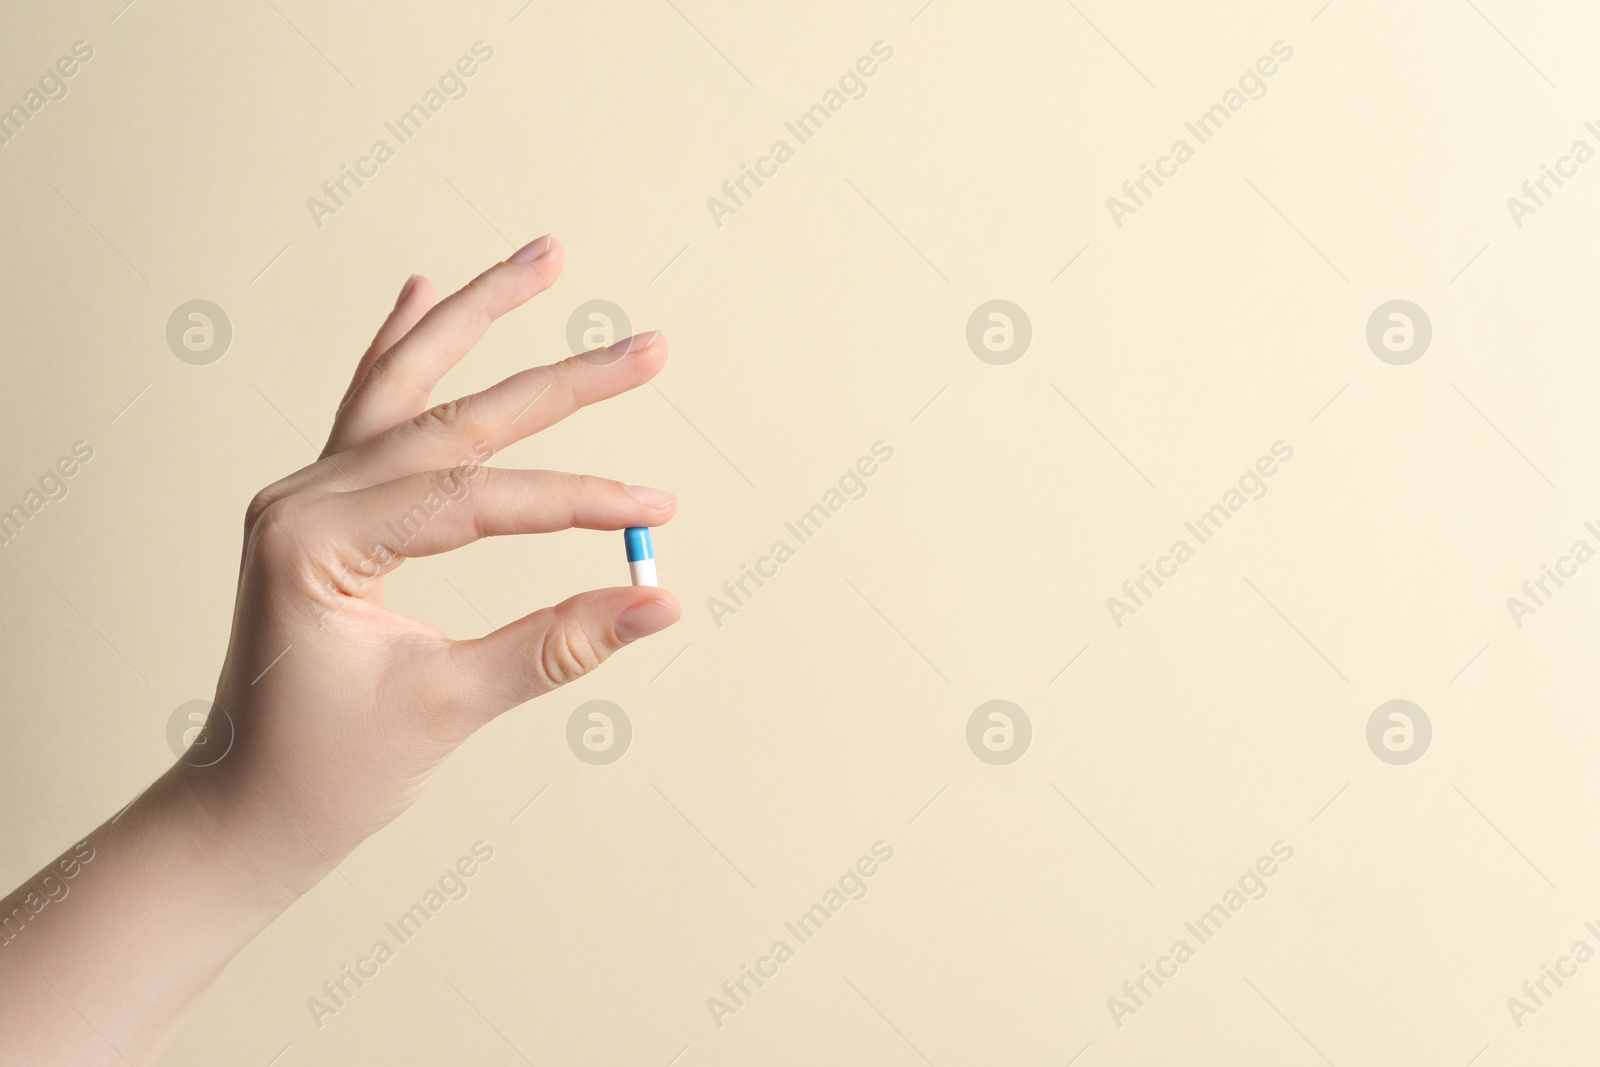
(554, 646)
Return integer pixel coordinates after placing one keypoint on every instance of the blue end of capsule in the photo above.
(637, 541)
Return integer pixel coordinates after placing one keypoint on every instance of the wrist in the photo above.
(252, 846)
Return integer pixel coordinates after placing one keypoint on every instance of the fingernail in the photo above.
(634, 343)
(644, 619)
(405, 290)
(531, 251)
(650, 498)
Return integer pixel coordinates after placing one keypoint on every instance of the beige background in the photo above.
(771, 752)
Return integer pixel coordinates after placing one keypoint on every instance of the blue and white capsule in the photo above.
(641, 555)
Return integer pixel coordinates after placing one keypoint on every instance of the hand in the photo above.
(342, 709)
(338, 709)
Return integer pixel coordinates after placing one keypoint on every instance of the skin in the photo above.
(335, 737)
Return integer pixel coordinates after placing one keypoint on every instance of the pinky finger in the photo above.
(416, 299)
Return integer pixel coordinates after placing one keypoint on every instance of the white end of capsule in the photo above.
(643, 571)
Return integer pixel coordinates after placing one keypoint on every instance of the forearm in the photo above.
(104, 952)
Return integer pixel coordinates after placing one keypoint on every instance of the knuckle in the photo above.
(587, 487)
(257, 507)
(565, 654)
(381, 371)
(392, 375)
(453, 417)
(282, 526)
(481, 295)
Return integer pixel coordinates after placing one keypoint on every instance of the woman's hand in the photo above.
(340, 708)
(332, 710)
